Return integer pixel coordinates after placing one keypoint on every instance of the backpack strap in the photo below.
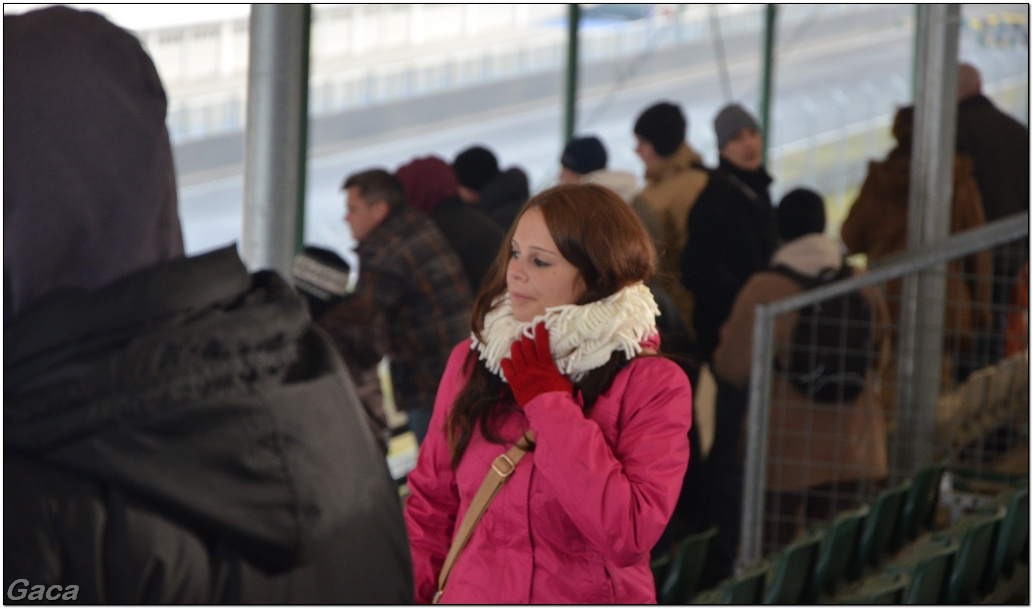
(825, 275)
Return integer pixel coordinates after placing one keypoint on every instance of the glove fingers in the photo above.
(516, 355)
(527, 349)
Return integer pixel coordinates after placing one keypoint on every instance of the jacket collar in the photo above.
(683, 158)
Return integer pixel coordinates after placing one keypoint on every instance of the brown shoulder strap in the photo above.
(501, 469)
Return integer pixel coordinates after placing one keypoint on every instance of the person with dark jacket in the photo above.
(732, 234)
(409, 270)
(675, 177)
(175, 429)
(999, 148)
(998, 145)
(731, 229)
(430, 186)
(499, 194)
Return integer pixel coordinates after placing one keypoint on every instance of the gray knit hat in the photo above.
(729, 121)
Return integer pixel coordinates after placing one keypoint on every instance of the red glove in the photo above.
(530, 369)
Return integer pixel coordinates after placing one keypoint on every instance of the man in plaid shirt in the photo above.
(409, 270)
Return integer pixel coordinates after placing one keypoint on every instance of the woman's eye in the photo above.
(514, 254)
(540, 263)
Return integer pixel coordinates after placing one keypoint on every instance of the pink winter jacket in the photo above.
(577, 519)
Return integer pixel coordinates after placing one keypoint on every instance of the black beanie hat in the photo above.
(801, 212)
(663, 125)
(475, 167)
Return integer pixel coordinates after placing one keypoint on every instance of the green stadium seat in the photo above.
(879, 527)
(976, 535)
(840, 543)
(685, 569)
(1013, 536)
(881, 589)
(744, 589)
(660, 566)
(792, 570)
(929, 564)
(919, 508)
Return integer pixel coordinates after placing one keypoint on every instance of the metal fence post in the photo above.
(932, 169)
(752, 528)
(770, 26)
(272, 139)
(570, 89)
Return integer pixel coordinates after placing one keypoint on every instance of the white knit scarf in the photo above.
(581, 337)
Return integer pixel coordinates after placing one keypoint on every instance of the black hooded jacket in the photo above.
(175, 430)
(185, 435)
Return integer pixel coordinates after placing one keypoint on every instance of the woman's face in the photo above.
(538, 276)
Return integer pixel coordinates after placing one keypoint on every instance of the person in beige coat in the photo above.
(822, 458)
(674, 178)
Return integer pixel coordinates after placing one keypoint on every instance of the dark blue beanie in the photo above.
(584, 155)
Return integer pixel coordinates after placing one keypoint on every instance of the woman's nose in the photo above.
(516, 270)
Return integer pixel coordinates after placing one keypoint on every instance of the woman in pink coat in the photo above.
(564, 345)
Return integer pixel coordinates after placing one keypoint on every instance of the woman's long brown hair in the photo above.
(597, 232)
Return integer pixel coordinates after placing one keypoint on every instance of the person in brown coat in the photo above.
(822, 457)
(877, 225)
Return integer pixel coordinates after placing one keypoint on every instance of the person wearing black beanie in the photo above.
(475, 167)
(663, 125)
(800, 212)
(848, 437)
(674, 177)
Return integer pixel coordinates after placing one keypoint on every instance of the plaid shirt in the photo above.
(409, 270)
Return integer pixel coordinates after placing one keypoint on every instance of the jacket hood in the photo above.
(682, 159)
(89, 181)
(624, 183)
(811, 254)
(200, 390)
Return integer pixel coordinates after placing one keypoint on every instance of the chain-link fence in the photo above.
(899, 396)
